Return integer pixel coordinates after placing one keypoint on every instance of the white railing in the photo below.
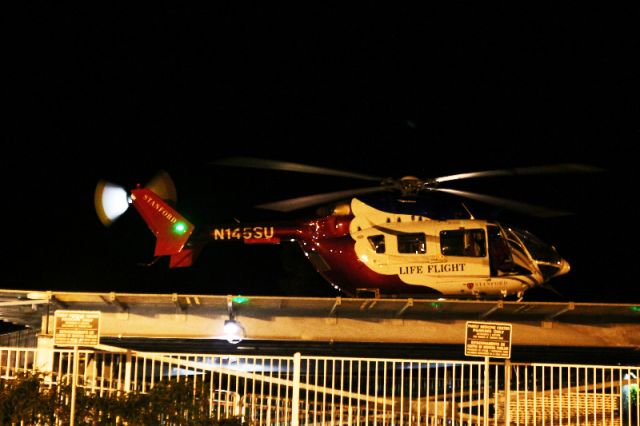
(313, 390)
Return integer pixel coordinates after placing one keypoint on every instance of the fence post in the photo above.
(74, 378)
(44, 358)
(127, 373)
(507, 391)
(295, 399)
(485, 410)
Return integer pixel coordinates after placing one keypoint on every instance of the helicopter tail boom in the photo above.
(171, 229)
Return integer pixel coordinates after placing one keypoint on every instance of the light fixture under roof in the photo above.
(233, 331)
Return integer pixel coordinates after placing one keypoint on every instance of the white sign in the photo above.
(76, 328)
(488, 339)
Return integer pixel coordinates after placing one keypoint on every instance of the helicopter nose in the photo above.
(555, 269)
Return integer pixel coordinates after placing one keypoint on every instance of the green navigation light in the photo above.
(180, 228)
(240, 299)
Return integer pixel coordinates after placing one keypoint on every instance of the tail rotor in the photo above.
(112, 200)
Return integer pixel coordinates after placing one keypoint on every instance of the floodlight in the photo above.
(233, 331)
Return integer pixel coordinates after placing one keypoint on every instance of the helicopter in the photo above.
(404, 245)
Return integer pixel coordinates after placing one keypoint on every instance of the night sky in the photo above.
(120, 91)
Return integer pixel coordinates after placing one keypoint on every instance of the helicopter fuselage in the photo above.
(360, 248)
(372, 251)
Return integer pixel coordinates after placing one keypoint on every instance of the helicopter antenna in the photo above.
(468, 211)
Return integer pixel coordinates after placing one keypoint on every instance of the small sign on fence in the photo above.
(76, 328)
(488, 339)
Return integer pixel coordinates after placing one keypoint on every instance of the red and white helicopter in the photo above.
(364, 247)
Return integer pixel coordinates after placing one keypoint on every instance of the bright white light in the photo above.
(114, 199)
(233, 331)
(111, 201)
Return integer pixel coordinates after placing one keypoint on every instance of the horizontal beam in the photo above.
(197, 324)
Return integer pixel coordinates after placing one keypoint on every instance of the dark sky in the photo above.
(119, 91)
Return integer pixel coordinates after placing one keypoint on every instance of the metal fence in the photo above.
(312, 390)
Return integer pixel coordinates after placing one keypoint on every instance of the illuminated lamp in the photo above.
(232, 331)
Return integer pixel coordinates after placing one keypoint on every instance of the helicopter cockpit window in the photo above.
(539, 250)
(412, 243)
(463, 242)
(377, 243)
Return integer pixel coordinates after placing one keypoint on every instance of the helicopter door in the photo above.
(507, 256)
(463, 242)
(500, 259)
(466, 249)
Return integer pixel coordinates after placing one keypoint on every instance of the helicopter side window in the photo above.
(412, 243)
(463, 242)
(377, 243)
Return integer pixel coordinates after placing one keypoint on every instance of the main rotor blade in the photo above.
(517, 206)
(533, 170)
(259, 163)
(313, 200)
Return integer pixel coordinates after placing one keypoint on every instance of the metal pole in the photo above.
(507, 390)
(73, 386)
(127, 373)
(486, 391)
(46, 326)
(295, 398)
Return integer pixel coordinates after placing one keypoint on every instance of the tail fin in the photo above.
(171, 229)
